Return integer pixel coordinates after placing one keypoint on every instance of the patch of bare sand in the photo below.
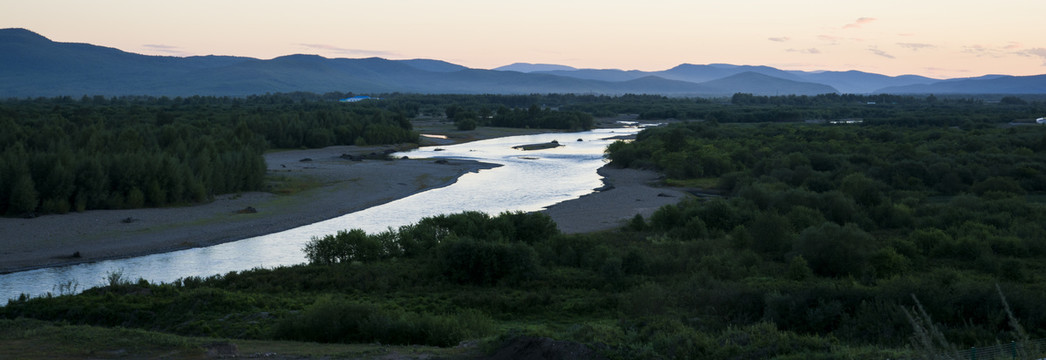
(344, 186)
(628, 192)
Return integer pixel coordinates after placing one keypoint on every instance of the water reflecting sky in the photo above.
(527, 181)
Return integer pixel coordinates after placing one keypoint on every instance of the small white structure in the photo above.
(1041, 120)
(356, 98)
(847, 121)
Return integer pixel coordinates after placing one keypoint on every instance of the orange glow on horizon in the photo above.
(934, 38)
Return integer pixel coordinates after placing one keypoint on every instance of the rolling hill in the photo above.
(992, 84)
(32, 65)
(844, 81)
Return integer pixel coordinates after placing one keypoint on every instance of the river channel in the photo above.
(526, 181)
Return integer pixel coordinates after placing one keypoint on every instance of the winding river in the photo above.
(526, 181)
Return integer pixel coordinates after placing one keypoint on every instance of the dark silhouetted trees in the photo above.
(60, 155)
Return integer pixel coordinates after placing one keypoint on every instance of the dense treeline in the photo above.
(929, 160)
(434, 105)
(883, 108)
(532, 117)
(880, 109)
(905, 110)
(60, 155)
(942, 213)
(517, 111)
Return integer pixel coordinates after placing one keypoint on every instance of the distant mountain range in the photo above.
(32, 65)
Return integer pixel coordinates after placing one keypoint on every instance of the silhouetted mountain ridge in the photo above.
(760, 83)
(991, 84)
(32, 65)
(845, 81)
(529, 68)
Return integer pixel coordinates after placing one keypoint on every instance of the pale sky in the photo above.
(936, 38)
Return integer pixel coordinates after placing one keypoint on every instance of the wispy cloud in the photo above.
(916, 46)
(829, 39)
(981, 50)
(1035, 52)
(347, 51)
(780, 39)
(165, 49)
(884, 54)
(860, 22)
(1001, 51)
(805, 51)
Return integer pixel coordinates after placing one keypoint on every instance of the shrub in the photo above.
(466, 124)
(798, 269)
(771, 234)
(834, 250)
(929, 239)
(887, 262)
(1000, 186)
(469, 261)
(527, 227)
(329, 320)
(637, 223)
(345, 246)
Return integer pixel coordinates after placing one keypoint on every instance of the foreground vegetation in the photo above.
(631, 294)
(807, 241)
(35, 339)
(871, 213)
(468, 276)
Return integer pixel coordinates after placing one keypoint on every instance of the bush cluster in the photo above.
(470, 247)
(341, 320)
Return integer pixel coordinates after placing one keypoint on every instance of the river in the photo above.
(526, 181)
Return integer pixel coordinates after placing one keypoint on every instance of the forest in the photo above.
(873, 213)
(61, 154)
(897, 237)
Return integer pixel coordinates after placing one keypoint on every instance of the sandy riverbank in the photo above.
(337, 186)
(629, 192)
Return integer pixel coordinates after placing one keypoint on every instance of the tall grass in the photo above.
(928, 340)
